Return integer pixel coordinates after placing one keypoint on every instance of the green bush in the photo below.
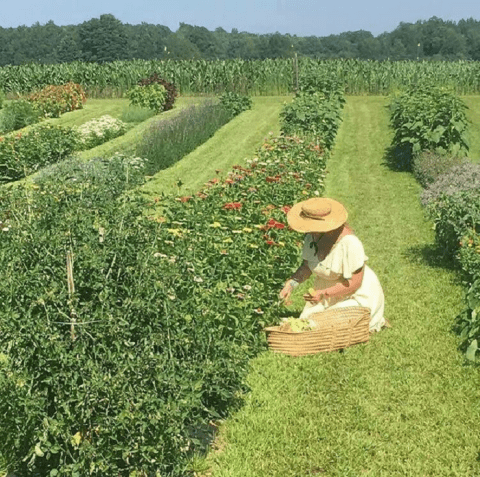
(18, 114)
(170, 87)
(429, 165)
(162, 334)
(24, 154)
(314, 115)
(235, 103)
(2, 98)
(427, 117)
(151, 96)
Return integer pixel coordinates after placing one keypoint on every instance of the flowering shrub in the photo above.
(23, 154)
(52, 101)
(98, 131)
(429, 165)
(462, 177)
(151, 96)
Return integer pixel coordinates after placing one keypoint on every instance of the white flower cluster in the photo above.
(99, 130)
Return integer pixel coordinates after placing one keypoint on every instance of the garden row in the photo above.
(23, 153)
(268, 77)
(121, 334)
(430, 125)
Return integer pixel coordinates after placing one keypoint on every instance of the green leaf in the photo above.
(472, 349)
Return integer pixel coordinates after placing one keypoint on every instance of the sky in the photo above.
(295, 17)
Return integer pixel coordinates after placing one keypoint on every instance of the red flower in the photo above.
(270, 242)
(233, 205)
(286, 209)
(185, 198)
(273, 224)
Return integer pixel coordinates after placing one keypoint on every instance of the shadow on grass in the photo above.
(431, 255)
(398, 158)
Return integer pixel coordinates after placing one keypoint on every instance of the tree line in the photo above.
(106, 39)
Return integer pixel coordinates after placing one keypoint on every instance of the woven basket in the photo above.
(336, 329)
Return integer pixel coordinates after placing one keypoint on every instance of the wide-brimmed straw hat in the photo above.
(318, 214)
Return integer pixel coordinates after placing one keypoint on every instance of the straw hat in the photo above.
(318, 214)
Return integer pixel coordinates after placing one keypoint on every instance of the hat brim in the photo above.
(337, 217)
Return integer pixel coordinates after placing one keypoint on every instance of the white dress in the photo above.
(345, 257)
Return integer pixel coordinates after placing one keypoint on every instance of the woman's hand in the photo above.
(286, 292)
(314, 296)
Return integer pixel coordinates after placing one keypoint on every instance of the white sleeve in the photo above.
(353, 256)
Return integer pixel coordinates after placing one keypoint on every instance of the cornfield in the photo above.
(253, 77)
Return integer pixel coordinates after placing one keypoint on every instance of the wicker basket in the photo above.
(336, 329)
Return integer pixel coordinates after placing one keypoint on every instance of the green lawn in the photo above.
(406, 403)
(232, 144)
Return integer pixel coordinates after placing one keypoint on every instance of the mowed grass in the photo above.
(232, 144)
(473, 115)
(406, 403)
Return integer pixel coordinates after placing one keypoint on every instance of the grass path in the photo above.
(405, 404)
(473, 115)
(244, 134)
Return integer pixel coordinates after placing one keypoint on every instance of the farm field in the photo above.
(232, 144)
(406, 403)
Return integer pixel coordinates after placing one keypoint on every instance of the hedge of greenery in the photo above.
(452, 201)
(427, 117)
(24, 154)
(121, 334)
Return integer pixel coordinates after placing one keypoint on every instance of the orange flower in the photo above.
(233, 205)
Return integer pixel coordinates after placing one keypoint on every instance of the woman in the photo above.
(336, 257)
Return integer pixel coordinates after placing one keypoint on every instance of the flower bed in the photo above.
(97, 131)
(107, 372)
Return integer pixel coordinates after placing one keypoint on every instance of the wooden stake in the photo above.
(71, 291)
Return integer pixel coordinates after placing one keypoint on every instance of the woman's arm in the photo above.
(344, 288)
(302, 273)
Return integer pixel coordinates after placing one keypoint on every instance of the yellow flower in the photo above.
(282, 244)
(215, 225)
(236, 231)
(247, 230)
(228, 240)
(253, 245)
(175, 232)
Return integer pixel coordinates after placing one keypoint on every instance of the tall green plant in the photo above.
(428, 117)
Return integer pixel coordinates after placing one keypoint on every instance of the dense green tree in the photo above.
(107, 39)
(103, 39)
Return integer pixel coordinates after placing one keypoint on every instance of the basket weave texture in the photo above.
(336, 329)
